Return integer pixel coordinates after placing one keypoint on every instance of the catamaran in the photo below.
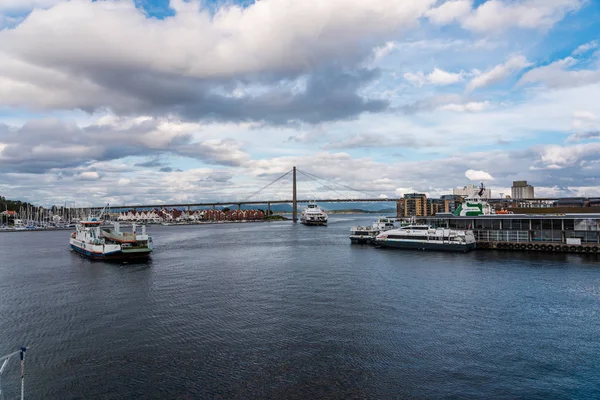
(313, 215)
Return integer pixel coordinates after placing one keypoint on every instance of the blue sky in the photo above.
(164, 101)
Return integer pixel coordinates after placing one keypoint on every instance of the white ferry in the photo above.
(367, 234)
(108, 243)
(313, 215)
(424, 237)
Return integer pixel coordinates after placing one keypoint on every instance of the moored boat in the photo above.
(104, 242)
(313, 215)
(424, 237)
(367, 234)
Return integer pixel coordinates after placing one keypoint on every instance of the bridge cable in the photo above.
(325, 186)
(266, 186)
(336, 183)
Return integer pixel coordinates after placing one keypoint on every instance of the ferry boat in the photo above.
(367, 234)
(98, 242)
(313, 215)
(424, 237)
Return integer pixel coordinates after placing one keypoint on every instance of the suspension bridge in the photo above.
(251, 199)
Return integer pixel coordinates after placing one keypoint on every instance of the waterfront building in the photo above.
(450, 202)
(471, 190)
(415, 205)
(521, 190)
(434, 206)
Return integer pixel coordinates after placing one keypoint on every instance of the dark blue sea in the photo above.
(283, 311)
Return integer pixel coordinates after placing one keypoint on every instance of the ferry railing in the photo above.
(4, 360)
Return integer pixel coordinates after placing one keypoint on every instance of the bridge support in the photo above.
(268, 209)
(239, 206)
(294, 199)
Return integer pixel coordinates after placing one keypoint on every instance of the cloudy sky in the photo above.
(154, 101)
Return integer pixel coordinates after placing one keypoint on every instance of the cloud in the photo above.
(41, 145)
(441, 77)
(26, 5)
(500, 15)
(472, 106)
(450, 11)
(584, 48)
(436, 77)
(385, 140)
(475, 175)
(499, 72)
(275, 60)
(557, 76)
(577, 137)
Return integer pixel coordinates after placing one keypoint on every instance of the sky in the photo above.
(156, 101)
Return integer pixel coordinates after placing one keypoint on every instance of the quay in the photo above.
(565, 233)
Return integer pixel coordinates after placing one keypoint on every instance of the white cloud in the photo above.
(473, 106)
(436, 77)
(501, 15)
(557, 75)
(475, 175)
(441, 77)
(499, 72)
(25, 5)
(417, 79)
(585, 47)
(88, 176)
(450, 11)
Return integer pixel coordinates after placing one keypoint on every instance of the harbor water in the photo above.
(285, 311)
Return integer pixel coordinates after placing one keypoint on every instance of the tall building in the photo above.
(451, 202)
(521, 190)
(472, 191)
(415, 205)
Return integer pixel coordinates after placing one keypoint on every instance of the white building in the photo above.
(472, 191)
(521, 190)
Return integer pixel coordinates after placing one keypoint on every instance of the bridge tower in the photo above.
(294, 199)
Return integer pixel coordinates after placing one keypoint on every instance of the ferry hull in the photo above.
(314, 223)
(426, 246)
(362, 239)
(117, 255)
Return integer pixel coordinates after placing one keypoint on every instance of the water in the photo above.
(277, 311)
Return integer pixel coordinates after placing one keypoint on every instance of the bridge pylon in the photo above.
(294, 198)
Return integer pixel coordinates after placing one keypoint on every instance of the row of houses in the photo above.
(173, 215)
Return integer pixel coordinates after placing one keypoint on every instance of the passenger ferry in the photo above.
(98, 242)
(367, 234)
(313, 215)
(424, 237)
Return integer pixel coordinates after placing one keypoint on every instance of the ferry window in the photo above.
(557, 224)
(453, 224)
(536, 224)
(569, 224)
(495, 224)
(547, 224)
(479, 224)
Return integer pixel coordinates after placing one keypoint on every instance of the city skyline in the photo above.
(175, 102)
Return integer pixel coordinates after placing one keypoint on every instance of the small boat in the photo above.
(313, 215)
(424, 237)
(367, 234)
(99, 242)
